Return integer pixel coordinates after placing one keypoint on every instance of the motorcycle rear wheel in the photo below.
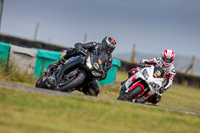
(73, 84)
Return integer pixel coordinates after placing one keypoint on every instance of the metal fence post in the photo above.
(1, 11)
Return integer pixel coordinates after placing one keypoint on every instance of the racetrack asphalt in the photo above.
(47, 91)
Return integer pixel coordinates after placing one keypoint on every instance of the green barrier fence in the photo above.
(44, 58)
(4, 53)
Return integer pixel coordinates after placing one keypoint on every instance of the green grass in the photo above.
(178, 96)
(22, 111)
(13, 74)
(182, 97)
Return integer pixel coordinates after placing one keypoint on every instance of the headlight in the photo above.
(88, 63)
(145, 74)
(154, 85)
(96, 74)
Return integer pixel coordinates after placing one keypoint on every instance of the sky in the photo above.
(153, 25)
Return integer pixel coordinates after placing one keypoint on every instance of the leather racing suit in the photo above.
(92, 88)
(169, 74)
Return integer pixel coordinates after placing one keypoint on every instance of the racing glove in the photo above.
(162, 90)
(103, 76)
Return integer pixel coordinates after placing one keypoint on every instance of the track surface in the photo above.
(46, 91)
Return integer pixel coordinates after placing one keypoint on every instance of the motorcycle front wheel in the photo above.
(41, 82)
(78, 80)
(134, 92)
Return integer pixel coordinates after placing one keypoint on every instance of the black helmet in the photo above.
(108, 44)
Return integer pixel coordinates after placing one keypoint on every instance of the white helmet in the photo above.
(168, 57)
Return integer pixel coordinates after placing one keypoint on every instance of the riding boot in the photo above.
(58, 62)
(69, 53)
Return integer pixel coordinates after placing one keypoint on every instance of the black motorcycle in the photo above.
(75, 73)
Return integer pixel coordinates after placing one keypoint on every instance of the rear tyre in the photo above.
(73, 84)
(134, 92)
(41, 83)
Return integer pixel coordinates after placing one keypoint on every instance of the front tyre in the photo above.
(41, 83)
(134, 92)
(78, 80)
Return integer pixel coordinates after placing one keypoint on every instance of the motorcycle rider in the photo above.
(165, 62)
(107, 46)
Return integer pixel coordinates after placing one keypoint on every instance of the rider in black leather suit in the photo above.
(105, 49)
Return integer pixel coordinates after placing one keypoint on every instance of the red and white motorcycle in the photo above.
(146, 82)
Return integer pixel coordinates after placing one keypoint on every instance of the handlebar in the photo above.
(149, 63)
(146, 64)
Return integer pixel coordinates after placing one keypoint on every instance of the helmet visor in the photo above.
(109, 48)
(167, 60)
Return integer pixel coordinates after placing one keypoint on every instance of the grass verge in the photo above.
(23, 112)
(13, 74)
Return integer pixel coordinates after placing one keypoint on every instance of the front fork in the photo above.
(51, 77)
(127, 84)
